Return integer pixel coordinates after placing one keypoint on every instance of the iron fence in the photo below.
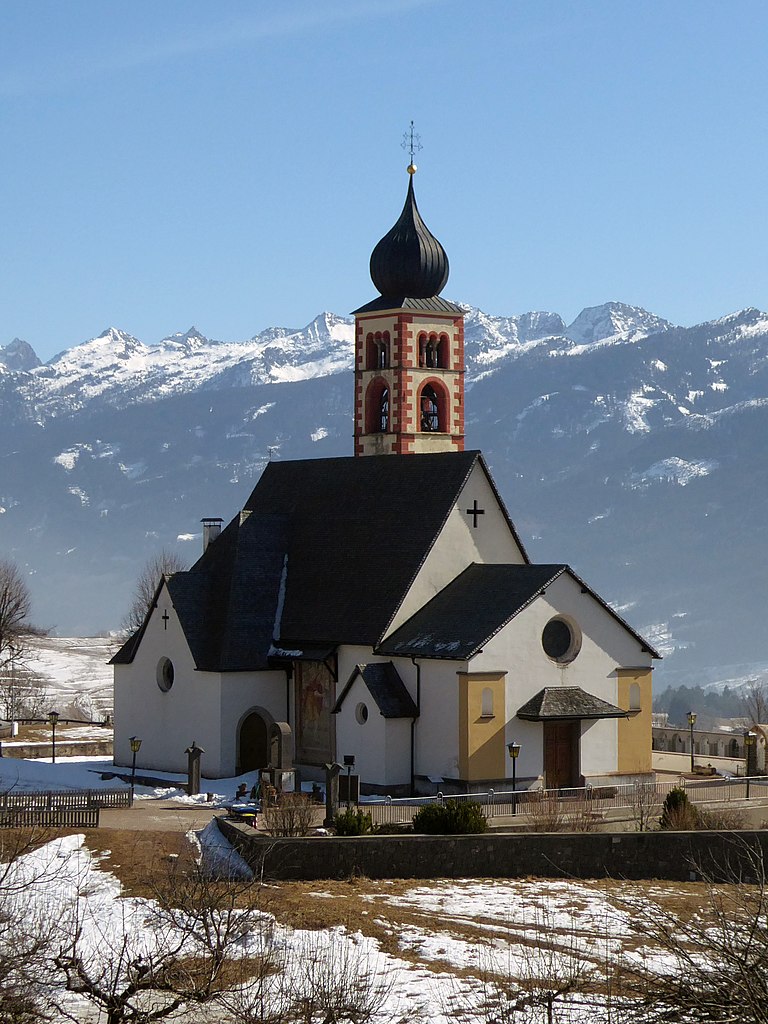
(66, 798)
(400, 811)
(49, 817)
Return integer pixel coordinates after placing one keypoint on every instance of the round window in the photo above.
(361, 713)
(560, 640)
(164, 674)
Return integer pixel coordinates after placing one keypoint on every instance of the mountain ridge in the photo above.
(636, 457)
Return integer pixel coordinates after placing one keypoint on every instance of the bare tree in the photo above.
(755, 701)
(178, 952)
(25, 928)
(15, 606)
(164, 563)
(22, 692)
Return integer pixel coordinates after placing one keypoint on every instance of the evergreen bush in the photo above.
(678, 813)
(352, 823)
(452, 818)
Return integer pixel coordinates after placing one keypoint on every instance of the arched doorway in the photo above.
(253, 743)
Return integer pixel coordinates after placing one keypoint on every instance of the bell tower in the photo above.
(409, 346)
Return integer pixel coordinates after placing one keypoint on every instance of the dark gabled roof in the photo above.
(464, 616)
(557, 703)
(385, 686)
(360, 529)
(227, 601)
(323, 553)
(125, 654)
(436, 304)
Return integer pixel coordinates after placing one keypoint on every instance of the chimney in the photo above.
(211, 530)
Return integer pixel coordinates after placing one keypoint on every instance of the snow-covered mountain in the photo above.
(632, 448)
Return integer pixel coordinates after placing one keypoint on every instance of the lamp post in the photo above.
(349, 764)
(691, 723)
(135, 747)
(749, 743)
(514, 753)
(53, 717)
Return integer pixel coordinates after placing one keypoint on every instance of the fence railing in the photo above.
(40, 800)
(49, 817)
(600, 798)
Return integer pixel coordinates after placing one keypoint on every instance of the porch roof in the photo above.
(558, 703)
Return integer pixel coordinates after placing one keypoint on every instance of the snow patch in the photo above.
(674, 470)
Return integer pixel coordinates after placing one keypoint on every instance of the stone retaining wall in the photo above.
(73, 748)
(675, 856)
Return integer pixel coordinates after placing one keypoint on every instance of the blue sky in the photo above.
(231, 165)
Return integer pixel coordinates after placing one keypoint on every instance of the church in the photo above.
(382, 607)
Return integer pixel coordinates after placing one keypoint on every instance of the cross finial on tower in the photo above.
(411, 142)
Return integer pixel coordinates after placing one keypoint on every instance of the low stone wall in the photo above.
(75, 748)
(675, 856)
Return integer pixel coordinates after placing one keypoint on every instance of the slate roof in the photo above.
(226, 603)
(322, 554)
(556, 703)
(360, 529)
(386, 687)
(436, 304)
(464, 616)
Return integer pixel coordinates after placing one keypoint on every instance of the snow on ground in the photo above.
(446, 937)
(70, 666)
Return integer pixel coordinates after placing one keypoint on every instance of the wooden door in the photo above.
(561, 754)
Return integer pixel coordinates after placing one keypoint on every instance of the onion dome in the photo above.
(409, 260)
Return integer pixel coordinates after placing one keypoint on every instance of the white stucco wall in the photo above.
(459, 544)
(367, 742)
(605, 646)
(202, 706)
(437, 733)
(167, 723)
(242, 692)
(382, 749)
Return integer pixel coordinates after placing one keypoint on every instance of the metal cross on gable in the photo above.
(475, 512)
(166, 618)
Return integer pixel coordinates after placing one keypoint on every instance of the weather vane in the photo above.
(411, 142)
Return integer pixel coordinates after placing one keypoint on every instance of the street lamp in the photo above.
(349, 764)
(691, 723)
(514, 753)
(135, 748)
(749, 743)
(53, 717)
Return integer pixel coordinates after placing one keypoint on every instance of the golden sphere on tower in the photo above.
(412, 168)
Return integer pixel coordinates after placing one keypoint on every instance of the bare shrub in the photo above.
(292, 815)
(320, 976)
(547, 812)
(713, 965)
(550, 978)
(644, 806)
(722, 819)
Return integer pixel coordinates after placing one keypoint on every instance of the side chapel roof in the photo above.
(465, 615)
(386, 687)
